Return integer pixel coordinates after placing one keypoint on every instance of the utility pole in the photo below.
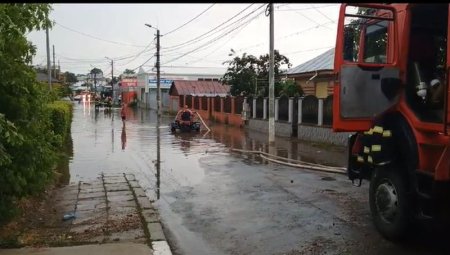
(112, 80)
(54, 64)
(95, 83)
(158, 86)
(158, 118)
(271, 81)
(48, 60)
(158, 101)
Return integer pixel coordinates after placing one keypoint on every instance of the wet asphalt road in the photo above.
(214, 201)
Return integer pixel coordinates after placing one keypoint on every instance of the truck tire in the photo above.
(389, 202)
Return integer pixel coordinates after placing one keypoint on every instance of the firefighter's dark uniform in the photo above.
(372, 148)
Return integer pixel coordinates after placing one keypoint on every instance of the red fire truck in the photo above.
(391, 90)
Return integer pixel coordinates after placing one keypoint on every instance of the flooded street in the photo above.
(214, 201)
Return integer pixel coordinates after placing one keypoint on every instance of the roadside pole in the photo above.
(49, 72)
(271, 81)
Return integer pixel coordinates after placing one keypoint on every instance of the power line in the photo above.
(179, 53)
(189, 21)
(321, 13)
(299, 51)
(215, 39)
(221, 46)
(210, 67)
(184, 43)
(101, 59)
(303, 15)
(140, 53)
(285, 36)
(240, 27)
(144, 62)
(97, 38)
(308, 8)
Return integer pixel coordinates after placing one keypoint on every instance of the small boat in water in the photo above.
(186, 121)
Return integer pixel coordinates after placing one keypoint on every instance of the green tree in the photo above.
(128, 71)
(96, 71)
(241, 74)
(249, 75)
(27, 143)
(70, 77)
(290, 88)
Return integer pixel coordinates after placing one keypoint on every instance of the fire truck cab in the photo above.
(391, 89)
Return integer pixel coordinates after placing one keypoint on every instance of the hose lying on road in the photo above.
(204, 124)
(301, 164)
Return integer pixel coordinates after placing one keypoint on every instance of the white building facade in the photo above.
(147, 87)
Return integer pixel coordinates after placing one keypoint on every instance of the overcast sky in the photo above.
(84, 34)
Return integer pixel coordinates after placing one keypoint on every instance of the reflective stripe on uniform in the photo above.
(360, 159)
(369, 132)
(376, 147)
(387, 133)
(366, 150)
(369, 159)
(378, 129)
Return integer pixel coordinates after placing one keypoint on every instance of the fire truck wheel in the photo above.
(389, 203)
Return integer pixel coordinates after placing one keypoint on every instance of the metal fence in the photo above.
(227, 104)
(189, 101)
(283, 108)
(310, 107)
(217, 104)
(181, 101)
(259, 107)
(238, 102)
(197, 103)
(250, 104)
(328, 111)
(204, 103)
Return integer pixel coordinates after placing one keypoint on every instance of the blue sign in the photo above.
(163, 83)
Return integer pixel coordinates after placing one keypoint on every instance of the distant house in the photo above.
(199, 88)
(195, 88)
(147, 86)
(316, 75)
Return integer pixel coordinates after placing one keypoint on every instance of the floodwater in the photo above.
(216, 201)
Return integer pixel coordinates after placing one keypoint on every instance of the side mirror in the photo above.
(390, 87)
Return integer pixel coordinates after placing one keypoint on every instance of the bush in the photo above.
(61, 119)
(28, 151)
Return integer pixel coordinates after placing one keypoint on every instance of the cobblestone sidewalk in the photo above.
(111, 209)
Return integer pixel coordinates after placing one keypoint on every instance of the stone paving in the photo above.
(110, 209)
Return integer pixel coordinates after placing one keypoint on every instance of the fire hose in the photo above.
(297, 163)
(204, 124)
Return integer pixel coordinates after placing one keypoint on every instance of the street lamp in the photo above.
(158, 87)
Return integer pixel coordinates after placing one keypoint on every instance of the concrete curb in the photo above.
(151, 217)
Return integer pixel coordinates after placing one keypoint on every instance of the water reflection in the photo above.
(291, 148)
(62, 167)
(183, 141)
(123, 136)
(163, 161)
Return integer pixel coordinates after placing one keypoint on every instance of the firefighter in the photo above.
(185, 114)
